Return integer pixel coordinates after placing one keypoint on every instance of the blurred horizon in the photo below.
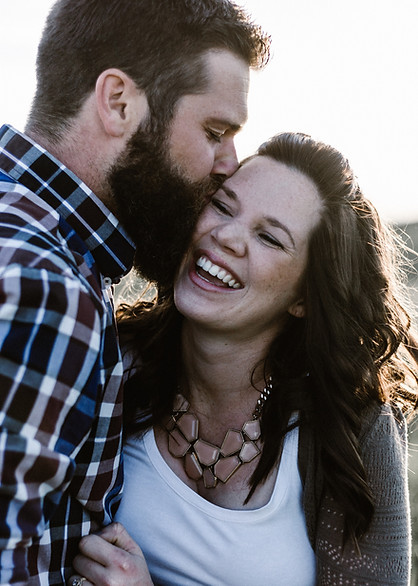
(343, 72)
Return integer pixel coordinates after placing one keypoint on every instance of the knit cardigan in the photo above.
(385, 550)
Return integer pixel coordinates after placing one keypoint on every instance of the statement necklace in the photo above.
(203, 460)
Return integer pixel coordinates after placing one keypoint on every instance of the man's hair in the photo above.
(158, 43)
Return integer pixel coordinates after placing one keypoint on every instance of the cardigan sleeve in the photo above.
(385, 550)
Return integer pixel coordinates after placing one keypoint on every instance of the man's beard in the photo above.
(157, 206)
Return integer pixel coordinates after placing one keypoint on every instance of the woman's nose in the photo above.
(230, 236)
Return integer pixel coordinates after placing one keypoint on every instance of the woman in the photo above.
(265, 437)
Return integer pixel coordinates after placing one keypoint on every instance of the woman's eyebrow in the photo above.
(277, 224)
(269, 219)
(229, 192)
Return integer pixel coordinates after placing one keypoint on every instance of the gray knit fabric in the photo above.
(385, 550)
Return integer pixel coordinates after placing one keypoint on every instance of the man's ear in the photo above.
(121, 106)
(297, 309)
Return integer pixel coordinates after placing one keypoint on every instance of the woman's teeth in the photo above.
(206, 265)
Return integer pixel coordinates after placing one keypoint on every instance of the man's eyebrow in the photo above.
(269, 219)
(226, 123)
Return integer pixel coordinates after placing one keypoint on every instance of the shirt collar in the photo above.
(40, 172)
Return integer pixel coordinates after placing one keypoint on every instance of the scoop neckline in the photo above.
(193, 498)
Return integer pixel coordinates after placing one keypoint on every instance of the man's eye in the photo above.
(214, 135)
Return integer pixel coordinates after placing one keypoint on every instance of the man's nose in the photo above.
(226, 161)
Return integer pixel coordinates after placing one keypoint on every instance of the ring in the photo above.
(78, 581)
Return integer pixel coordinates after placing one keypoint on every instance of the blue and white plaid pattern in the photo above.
(60, 365)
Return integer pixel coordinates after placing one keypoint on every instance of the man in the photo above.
(132, 124)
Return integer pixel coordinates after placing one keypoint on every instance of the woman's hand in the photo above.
(110, 558)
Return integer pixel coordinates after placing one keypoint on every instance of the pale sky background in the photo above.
(344, 71)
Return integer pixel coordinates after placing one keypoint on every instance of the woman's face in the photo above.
(244, 269)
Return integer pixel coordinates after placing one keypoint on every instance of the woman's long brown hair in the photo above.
(353, 348)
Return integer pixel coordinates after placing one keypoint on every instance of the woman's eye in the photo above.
(270, 240)
(220, 206)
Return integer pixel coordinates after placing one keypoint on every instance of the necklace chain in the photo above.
(207, 461)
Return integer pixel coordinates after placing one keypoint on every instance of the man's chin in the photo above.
(158, 207)
(156, 270)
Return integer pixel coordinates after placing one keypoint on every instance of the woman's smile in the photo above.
(215, 274)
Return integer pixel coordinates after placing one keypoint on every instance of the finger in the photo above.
(95, 548)
(121, 569)
(75, 580)
(118, 536)
(92, 570)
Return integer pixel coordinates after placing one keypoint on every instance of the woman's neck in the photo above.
(218, 372)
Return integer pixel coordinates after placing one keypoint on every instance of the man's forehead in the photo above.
(228, 84)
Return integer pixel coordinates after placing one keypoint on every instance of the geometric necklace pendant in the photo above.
(203, 460)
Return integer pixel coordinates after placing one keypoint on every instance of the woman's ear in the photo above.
(121, 106)
(297, 309)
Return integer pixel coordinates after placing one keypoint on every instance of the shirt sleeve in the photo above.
(49, 380)
(385, 550)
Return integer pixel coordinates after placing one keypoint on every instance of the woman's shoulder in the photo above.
(380, 421)
(383, 446)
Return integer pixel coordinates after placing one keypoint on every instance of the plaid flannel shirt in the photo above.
(60, 365)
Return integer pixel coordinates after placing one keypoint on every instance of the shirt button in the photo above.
(107, 282)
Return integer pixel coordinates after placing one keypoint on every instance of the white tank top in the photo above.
(188, 541)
